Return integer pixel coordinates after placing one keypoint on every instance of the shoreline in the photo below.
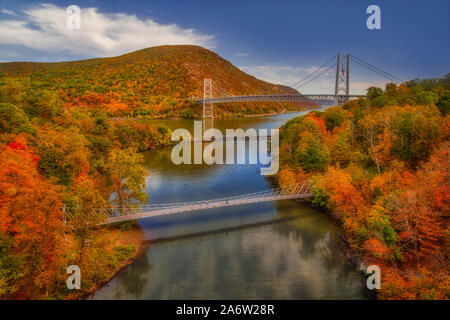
(228, 116)
(134, 236)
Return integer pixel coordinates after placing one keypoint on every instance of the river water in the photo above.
(272, 250)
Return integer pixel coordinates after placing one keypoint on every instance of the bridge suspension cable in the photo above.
(216, 86)
(309, 75)
(376, 70)
(330, 67)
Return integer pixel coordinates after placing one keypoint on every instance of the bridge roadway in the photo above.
(317, 98)
(116, 213)
(204, 205)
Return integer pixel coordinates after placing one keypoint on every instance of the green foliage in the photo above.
(187, 114)
(11, 91)
(422, 97)
(64, 154)
(416, 131)
(49, 105)
(10, 266)
(334, 117)
(164, 130)
(374, 92)
(431, 84)
(321, 198)
(14, 120)
(119, 254)
(443, 103)
(123, 252)
(127, 175)
(380, 226)
(127, 225)
(380, 101)
(312, 155)
(342, 149)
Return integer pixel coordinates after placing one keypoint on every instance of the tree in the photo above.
(30, 212)
(415, 130)
(11, 91)
(370, 129)
(64, 154)
(374, 92)
(127, 175)
(343, 197)
(286, 177)
(13, 119)
(311, 153)
(82, 207)
(10, 266)
(443, 103)
(334, 117)
(49, 105)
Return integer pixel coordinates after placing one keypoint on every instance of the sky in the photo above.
(277, 41)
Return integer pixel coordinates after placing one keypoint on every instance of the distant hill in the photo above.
(149, 81)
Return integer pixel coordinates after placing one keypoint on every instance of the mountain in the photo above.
(151, 81)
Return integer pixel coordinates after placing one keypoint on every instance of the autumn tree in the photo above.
(13, 119)
(30, 213)
(415, 130)
(127, 175)
(64, 154)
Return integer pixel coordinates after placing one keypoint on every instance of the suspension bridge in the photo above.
(112, 214)
(340, 96)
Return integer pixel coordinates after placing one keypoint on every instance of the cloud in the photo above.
(44, 28)
(289, 75)
(9, 12)
(242, 54)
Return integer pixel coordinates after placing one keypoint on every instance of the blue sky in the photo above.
(278, 41)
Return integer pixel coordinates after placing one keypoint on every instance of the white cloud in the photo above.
(242, 54)
(276, 73)
(9, 12)
(289, 75)
(44, 27)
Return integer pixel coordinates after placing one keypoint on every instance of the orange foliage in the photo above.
(319, 121)
(30, 211)
(376, 248)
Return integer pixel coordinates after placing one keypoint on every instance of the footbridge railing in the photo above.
(115, 213)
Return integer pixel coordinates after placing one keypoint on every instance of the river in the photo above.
(272, 250)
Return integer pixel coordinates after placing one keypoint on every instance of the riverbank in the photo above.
(347, 251)
(223, 116)
(121, 247)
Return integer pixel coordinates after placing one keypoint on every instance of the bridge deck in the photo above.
(317, 98)
(203, 206)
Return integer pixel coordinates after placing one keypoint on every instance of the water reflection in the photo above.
(282, 260)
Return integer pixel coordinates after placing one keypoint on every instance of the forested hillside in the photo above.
(156, 82)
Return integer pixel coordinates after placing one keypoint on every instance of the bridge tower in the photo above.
(208, 108)
(342, 83)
